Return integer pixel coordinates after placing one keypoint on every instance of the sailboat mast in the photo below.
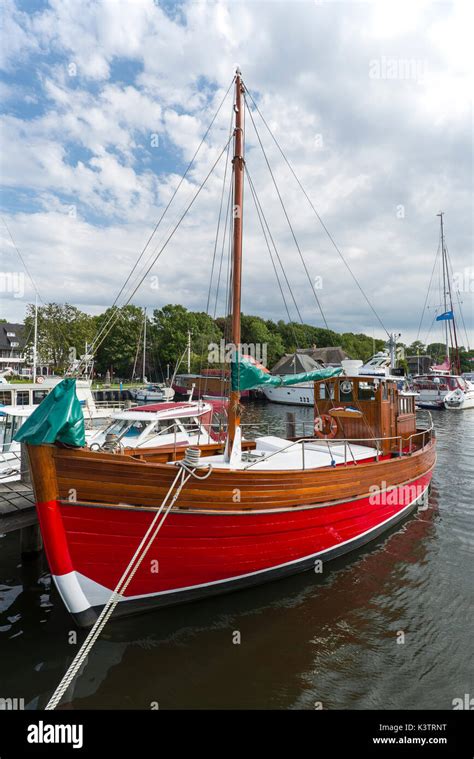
(35, 341)
(454, 336)
(238, 189)
(443, 259)
(144, 347)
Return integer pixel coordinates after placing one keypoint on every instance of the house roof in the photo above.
(12, 333)
(329, 355)
(294, 363)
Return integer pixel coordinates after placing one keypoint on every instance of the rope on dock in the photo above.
(184, 474)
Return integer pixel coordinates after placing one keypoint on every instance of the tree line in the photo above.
(65, 332)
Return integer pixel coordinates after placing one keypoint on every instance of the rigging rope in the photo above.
(169, 202)
(428, 291)
(216, 242)
(333, 242)
(62, 334)
(259, 214)
(288, 220)
(458, 296)
(184, 474)
(96, 345)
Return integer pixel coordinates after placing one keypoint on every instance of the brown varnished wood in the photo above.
(43, 472)
(109, 478)
(388, 416)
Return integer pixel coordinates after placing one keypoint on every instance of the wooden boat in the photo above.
(266, 509)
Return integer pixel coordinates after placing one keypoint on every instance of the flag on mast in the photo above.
(447, 316)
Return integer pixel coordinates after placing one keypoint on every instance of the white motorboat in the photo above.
(19, 400)
(438, 391)
(163, 424)
(153, 393)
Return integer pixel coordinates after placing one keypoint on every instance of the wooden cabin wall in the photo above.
(388, 415)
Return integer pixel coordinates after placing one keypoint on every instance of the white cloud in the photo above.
(362, 146)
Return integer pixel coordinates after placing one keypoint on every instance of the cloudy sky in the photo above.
(105, 102)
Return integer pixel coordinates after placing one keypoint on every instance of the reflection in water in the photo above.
(335, 638)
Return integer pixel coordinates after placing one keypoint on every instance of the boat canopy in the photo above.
(58, 419)
(246, 376)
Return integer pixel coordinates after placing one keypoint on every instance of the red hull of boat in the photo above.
(200, 554)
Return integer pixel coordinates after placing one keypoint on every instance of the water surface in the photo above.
(304, 641)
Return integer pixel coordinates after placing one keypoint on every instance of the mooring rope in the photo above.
(186, 471)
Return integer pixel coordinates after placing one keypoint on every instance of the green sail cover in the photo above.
(246, 376)
(58, 419)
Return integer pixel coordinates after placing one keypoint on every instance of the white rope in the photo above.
(184, 474)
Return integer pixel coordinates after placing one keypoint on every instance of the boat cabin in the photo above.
(363, 407)
(440, 382)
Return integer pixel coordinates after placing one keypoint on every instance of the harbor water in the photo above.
(387, 627)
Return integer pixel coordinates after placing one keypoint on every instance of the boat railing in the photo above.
(403, 446)
(119, 405)
(11, 463)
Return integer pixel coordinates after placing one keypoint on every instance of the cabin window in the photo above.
(126, 429)
(38, 396)
(166, 427)
(136, 429)
(384, 391)
(367, 391)
(405, 404)
(22, 397)
(191, 426)
(5, 397)
(346, 391)
(326, 390)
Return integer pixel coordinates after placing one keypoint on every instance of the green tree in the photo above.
(256, 332)
(171, 325)
(117, 352)
(437, 351)
(416, 348)
(63, 331)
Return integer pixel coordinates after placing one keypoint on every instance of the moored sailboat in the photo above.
(444, 387)
(250, 511)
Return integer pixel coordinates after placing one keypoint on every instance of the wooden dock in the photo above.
(17, 507)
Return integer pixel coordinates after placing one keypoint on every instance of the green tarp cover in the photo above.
(58, 419)
(246, 376)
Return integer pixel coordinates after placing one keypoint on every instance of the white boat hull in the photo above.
(459, 400)
(294, 395)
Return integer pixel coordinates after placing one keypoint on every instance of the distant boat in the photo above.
(158, 425)
(444, 387)
(441, 390)
(18, 400)
(153, 393)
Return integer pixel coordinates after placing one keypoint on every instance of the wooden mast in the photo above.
(238, 189)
